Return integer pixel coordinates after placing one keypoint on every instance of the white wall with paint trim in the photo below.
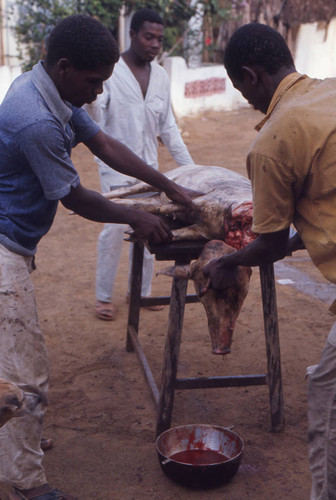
(181, 77)
(315, 55)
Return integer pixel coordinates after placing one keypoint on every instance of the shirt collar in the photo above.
(50, 94)
(282, 88)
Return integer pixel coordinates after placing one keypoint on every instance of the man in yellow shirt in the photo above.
(292, 167)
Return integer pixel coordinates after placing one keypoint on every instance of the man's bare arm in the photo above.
(93, 206)
(122, 159)
(265, 249)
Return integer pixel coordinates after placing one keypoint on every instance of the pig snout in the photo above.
(221, 322)
(222, 308)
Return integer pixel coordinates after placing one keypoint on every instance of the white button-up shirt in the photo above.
(125, 114)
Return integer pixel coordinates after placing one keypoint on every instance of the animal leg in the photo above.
(152, 205)
(193, 232)
(140, 187)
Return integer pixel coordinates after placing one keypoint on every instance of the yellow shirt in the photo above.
(292, 167)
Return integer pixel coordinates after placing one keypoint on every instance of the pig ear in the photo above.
(182, 272)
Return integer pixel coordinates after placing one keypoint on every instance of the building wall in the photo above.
(194, 90)
(209, 88)
(315, 49)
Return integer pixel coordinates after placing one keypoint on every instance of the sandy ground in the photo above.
(101, 416)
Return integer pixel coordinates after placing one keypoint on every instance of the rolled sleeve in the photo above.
(273, 201)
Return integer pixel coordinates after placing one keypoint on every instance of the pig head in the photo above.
(222, 306)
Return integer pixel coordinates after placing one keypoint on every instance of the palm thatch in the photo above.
(283, 15)
(291, 13)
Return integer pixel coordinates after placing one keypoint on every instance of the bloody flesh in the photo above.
(199, 457)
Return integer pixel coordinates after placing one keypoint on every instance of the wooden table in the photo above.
(163, 397)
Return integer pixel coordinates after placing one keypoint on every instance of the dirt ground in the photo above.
(101, 416)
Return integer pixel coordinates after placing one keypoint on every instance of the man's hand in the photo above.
(181, 195)
(94, 206)
(265, 249)
(149, 227)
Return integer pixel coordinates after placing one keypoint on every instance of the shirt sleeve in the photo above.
(169, 131)
(43, 144)
(84, 126)
(273, 201)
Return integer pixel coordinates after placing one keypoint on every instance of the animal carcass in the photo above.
(225, 217)
(222, 307)
(225, 205)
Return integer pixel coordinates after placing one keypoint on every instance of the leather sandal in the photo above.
(44, 492)
(46, 444)
(105, 311)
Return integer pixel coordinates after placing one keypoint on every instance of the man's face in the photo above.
(147, 42)
(252, 91)
(81, 87)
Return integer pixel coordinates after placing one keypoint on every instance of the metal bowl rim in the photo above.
(219, 427)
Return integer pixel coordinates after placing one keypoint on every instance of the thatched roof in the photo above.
(283, 15)
(292, 12)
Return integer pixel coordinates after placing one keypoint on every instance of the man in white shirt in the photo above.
(135, 109)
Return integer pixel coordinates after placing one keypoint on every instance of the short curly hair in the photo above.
(143, 15)
(84, 40)
(257, 45)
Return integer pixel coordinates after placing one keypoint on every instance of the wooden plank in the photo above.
(219, 382)
(186, 250)
(272, 347)
(154, 301)
(135, 292)
(154, 392)
(171, 354)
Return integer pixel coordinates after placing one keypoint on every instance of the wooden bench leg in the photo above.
(135, 292)
(272, 347)
(171, 354)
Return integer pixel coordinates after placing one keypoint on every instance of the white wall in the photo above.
(197, 89)
(315, 52)
(7, 75)
(315, 55)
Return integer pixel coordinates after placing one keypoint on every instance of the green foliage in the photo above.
(216, 12)
(34, 19)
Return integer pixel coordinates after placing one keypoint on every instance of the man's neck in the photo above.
(141, 69)
(133, 61)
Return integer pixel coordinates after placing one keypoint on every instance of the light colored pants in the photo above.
(322, 423)
(108, 256)
(24, 362)
(110, 244)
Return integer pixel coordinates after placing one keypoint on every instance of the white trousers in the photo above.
(108, 256)
(24, 362)
(322, 423)
(110, 244)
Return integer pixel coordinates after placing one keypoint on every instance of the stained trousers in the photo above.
(322, 423)
(24, 362)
